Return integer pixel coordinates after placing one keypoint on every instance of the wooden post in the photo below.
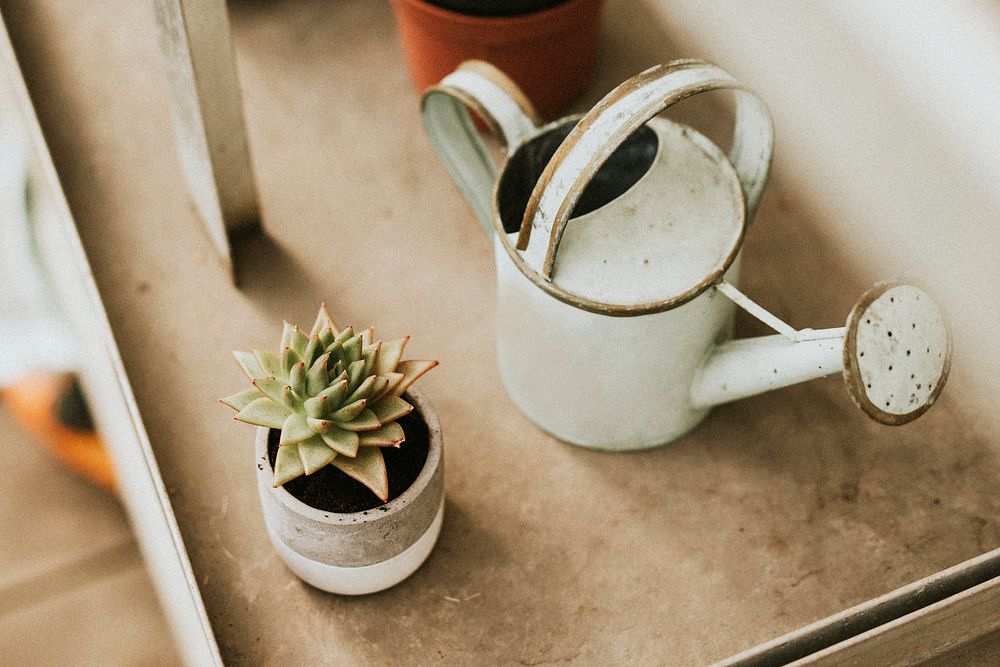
(207, 109)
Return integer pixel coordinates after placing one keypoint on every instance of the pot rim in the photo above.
(540, 22)
(419, 485)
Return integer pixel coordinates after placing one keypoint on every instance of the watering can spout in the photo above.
(746, 367)
(894, 353)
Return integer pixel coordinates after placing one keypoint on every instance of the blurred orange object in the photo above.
(45, 406)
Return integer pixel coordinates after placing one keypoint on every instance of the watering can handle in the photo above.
(502, 107)
(623, 111)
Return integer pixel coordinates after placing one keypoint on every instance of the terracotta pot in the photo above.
(35, 402)
(359, 552)
(550, 54)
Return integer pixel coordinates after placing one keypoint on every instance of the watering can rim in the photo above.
(702, 144)
(521, 122)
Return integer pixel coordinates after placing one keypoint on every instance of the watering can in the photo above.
(617, 241)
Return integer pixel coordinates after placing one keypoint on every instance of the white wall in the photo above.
(887, 116)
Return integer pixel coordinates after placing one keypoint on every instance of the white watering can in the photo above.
(617, 243)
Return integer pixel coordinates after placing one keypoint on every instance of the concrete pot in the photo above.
(361, 552)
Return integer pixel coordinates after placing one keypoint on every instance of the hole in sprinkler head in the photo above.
(913, 326)
(890, 334)
(892, 299)
(861, 354)
(907, 353)
(890, 367)
(869, 385)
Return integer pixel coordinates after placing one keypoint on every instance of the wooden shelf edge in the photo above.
(103, 375)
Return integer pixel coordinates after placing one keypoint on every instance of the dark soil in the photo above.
(496, 7)
(331, 490)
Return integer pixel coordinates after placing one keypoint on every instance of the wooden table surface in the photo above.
(775, 512)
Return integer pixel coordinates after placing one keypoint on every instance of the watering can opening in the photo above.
(626, 167)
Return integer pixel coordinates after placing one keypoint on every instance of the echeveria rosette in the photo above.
(335, 395)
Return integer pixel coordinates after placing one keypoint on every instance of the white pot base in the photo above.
(366, 578)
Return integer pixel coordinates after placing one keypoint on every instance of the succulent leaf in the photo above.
(336, 393)
(345, 335)
(294, 430)
(378, 388)
(367, 337)
(242, 399)
(326, 337)
(352, 350)
(287, 330)
(364, 389)
(368, 467)
(271, 364)
(315, 454)
(354, 372)
(335, 350)
(342, 442)
(388, 435)
(273, 389)
(348, 412)
(297, 379)
(390, 355)
(412, 371)
(291, 400)
(320, 425)
(323, 321)
(366, 421)
(289, 357)
(394, 379)
(391, 408)
(300, 342)
(313, 350)
(317, 407)
(264, 412)
(248, 362)
(369, 356)
(287, 465)
(316, 377)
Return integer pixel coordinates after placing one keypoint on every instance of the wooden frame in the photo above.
(103, 373)
(912, 623)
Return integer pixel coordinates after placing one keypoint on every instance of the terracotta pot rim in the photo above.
(514, 28)
(419, 485)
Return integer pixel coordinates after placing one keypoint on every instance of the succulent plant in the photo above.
(335, 394)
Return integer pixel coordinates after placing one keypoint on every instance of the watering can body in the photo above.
(613, 327)
(622, 382)
(606, 382)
